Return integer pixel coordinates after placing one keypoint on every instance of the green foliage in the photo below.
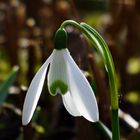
(4, 87)
(94, 19)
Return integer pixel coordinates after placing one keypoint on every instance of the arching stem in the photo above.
(98, 42)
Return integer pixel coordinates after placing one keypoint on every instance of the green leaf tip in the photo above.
(58, 86)
(60, 39)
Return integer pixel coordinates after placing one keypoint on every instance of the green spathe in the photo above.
(60, 39)
(58, 86)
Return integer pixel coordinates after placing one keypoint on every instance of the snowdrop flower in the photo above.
(64, 77)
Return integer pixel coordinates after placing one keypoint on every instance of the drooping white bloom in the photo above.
(66, 78)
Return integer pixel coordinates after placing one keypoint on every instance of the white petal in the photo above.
(70, 105)
(81, 92)
(34, 92)
(57, 75)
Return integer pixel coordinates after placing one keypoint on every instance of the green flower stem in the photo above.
(115, 125)
(98, 42)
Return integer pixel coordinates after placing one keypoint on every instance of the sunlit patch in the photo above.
(39, 129)
(58, 86)
(133, 66)
(133, 97)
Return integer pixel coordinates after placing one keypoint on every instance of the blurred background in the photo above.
(27, 30)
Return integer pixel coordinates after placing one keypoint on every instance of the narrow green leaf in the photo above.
(104, 129)
(4, 87)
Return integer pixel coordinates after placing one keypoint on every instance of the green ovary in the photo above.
(58, 86)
